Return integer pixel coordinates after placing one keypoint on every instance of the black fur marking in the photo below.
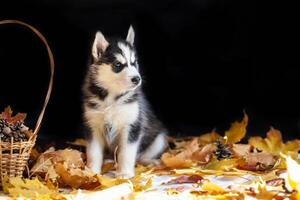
(134, 133)
(87, 132)
(117, 67)
(98, 91)
(132, 98)
(108, 57)
(146, 141)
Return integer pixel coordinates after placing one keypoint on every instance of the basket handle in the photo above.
(51, 59)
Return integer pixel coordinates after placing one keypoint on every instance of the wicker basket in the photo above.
(14, 155)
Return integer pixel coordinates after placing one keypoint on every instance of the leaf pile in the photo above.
(213, 152)
(268, 168)
(65, 168)
(26, 188)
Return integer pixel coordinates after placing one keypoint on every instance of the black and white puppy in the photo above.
(116, 112)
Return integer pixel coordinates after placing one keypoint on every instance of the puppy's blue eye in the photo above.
(118, 64)
(117, 67)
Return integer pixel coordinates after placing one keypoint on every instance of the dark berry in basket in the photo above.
(13, 127)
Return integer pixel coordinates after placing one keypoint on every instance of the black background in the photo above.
(203, 61)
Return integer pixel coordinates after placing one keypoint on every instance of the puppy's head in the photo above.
(115, 63)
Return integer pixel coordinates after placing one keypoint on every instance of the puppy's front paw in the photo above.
(124, 174)
(94, 167)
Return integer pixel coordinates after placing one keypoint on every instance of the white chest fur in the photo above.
(111, 121)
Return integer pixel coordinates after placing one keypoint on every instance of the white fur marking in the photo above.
(94, 155)
(120, 58)
(156, 147)
(126, 159)
(126, 52)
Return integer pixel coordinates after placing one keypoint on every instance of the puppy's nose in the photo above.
(135, 80)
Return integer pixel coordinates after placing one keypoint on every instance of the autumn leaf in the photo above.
(107, 182)
(240, 150)
(76, 178)
(182, 159)
(191, 155)
(186, 179)
(222, 165)
(204, 154)
(26, 188)
(258, 161)
(138, 186)
(6, 114)
(106, 167)
(209, 138)
(18, 117)
(273, 143)
(212, 188)
(237, 130)
(292, 178)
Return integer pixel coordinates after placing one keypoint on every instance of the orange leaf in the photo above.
(240, 150)
(258, 161)
(18, 117)
(74, 180)
(273, 143)
(204, 155)
(6, 114)
(237, 130)
(191, 154)
(177, 161)
(209, 137)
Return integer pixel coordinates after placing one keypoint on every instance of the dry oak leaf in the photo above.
(49, 158)
(237, 130)
(240, 150)
(183, 158)
(186, 179)
(76, 178)
(273, 143)
(258, 161)
(204, 154)
(209, 138)
(191, 155)
(7, 115)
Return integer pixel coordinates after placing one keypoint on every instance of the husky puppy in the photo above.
(116, 113)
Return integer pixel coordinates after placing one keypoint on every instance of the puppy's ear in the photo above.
(99, 46)
(130, 35)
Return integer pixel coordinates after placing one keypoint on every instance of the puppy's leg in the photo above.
(154, 150)
(94, 152)
(126, 157)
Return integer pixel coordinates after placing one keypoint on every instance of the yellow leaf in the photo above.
(182, 159)
(237, 130)
(220, 165)
(273, 143)
(212, 188)
(293, 175)
(138, 187)
(18, 187)
(107, 182)
(209, 138)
